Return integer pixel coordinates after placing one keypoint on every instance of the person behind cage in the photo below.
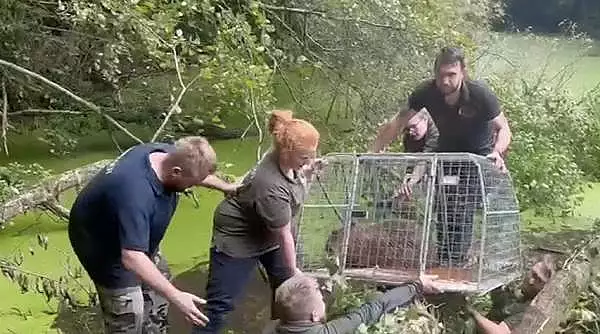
(510, 303)
(300, 302)
(255, 224)
(468, 117)
(420, 136)
(118, 221)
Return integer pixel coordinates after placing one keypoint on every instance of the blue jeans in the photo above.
(227, 278)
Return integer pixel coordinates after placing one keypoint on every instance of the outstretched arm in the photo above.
(214, 182)
(503, 133)
(389, 131)
(488, 326)
(370, 313)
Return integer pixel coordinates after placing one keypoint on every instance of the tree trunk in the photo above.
(550, 306)
(44, 194)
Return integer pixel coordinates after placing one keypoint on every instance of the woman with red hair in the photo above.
(255, 224)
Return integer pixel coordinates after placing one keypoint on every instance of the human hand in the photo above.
(186, 303)
(497, 160)
(230, 189)
(405, 190)
(315, 167)
(428, 284)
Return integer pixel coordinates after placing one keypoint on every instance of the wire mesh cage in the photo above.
(460, 221)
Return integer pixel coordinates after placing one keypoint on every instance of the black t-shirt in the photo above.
(465, 127)
(125, 206)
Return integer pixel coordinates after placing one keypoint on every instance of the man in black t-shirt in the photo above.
(466, 112)
(468, 117)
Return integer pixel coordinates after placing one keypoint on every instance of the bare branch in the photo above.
(324, 15)
(4, 115)
(45, 111)
(54, 207)
(256, 123)
(176, 59)
(174, 107)
(72, 95)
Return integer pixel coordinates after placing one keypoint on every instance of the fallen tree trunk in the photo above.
(550, 307)
(45, 194)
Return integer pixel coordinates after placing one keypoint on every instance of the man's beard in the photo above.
(456, 89)
(176, 188)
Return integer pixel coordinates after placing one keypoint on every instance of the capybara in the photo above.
(391, 244)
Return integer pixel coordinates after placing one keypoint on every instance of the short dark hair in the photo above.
(449, 55)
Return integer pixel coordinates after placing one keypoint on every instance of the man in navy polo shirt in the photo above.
(118, 220)
(468, 117)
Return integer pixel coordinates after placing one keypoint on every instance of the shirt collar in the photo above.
(157, 186)
(465, 94)
(275, 160)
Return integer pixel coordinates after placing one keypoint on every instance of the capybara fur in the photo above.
(387, 245)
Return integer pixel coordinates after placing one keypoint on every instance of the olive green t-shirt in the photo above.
(267, 200)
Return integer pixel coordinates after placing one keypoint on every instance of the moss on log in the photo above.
(44, 195)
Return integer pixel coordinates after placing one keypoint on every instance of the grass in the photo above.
(571, 62)
(187, 241)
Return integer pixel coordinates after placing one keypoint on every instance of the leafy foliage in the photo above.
(553, 143)
(365, 56)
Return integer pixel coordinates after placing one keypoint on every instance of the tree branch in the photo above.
(175, 106)
(45, 111)
(324, 15)
(257, 124)
(56, 86)
(55, 208)
(47, 190)
(4, 116)
(176, 59)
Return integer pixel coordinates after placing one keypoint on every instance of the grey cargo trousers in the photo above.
(135, 310)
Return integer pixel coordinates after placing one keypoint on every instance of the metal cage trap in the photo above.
(460, 222)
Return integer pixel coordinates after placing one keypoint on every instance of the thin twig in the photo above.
(23, 271)
(45, 111)
(256, 123)
(72, 95)
(176, 59)
(324, 15)
(4, 116)
(174, 107)
(246, 130)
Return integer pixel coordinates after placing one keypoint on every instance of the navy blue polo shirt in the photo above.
(125, 206)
